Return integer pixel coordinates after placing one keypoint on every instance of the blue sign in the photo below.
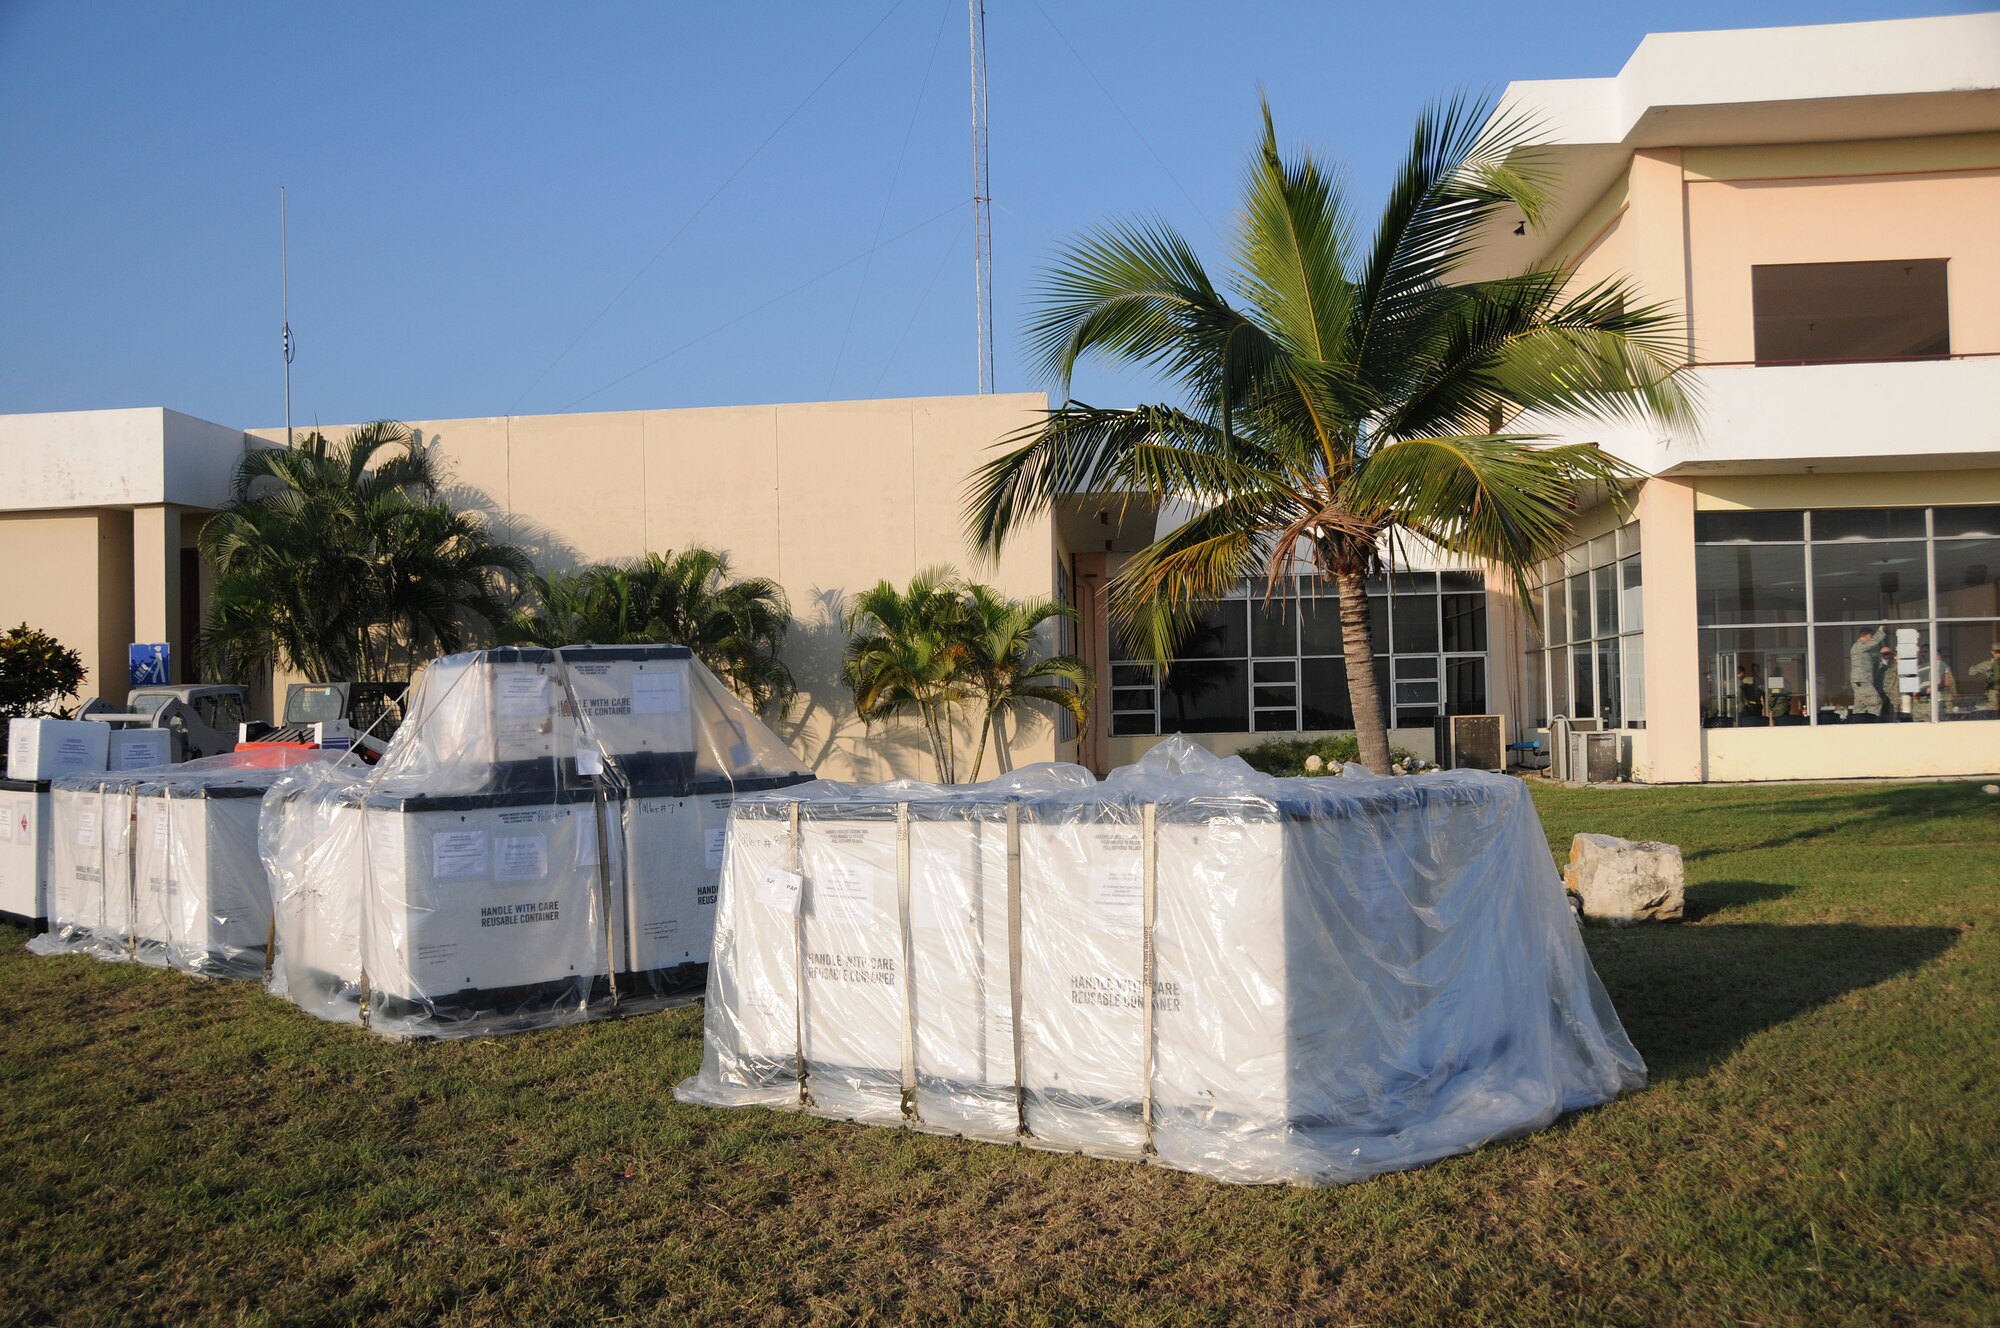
(151, 664)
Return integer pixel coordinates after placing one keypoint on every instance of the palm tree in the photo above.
(341, 562)
(1338, 395)
(906, 653)
(735, 626)
(999, 633)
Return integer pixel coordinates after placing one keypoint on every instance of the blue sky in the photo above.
(514, 208)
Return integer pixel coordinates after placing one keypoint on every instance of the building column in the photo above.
(1671, 652)
(156, 582)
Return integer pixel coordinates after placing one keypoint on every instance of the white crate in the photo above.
(52, 748)
(199, 885)
(24, 834)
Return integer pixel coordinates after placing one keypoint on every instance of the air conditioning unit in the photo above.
(1593, 758)
(1470, 742)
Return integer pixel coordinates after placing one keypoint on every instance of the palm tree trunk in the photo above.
(1357, 644)
(938, 758)
(985, 727)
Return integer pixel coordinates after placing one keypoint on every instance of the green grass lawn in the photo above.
(1820, 1143)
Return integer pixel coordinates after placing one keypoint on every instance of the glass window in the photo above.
(1220, 631)
(1749, 527)
(1603, 550)
(1416, 623)
(1274, 625)
(1559, 682)
(1274, 670)
(1608, 713)
(1970, 653)
(1465, 686)
(1132, 675)
(1748, 583)
(1464, 622)
(1582, 695)
(1631, 603)
(1323, 694)
(1857, 677)
(1870, 581)
(1378, 620)
(1628, 539)
(1632, 679)
(1752, 675)
(1538, 688)
(1319, 626)
(1555, 612)
(1604, 582)
(1805, 313)
(1579, 607)
(1462, 583)
(1968, 578)
(1133, 725)
(1948, 522)
(1867, 523)
(1206, 696)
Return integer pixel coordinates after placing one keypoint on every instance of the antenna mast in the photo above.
(285, 299)
(982, 200)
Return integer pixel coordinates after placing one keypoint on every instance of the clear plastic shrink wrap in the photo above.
(1348, 976)
(161, 865)
(542, 842)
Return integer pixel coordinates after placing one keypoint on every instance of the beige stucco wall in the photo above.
(70, 574)
(1852, 751)
(824, 498)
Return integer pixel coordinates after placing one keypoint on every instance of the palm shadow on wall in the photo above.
(822, 720)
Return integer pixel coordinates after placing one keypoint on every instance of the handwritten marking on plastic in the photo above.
(780, 889)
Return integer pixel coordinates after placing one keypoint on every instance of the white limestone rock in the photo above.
(1621, 883)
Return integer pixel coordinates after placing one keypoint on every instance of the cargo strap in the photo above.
(908, 951)
(1149, 816)
(799, 961)
(1014, 963)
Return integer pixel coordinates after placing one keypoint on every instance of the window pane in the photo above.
(1608, 713)
(1323, 694)
(1579, 607)
(1555, 613)
(1220, 632)
(1131, 675)
(1745, 583)
(1750, 674)
(1211, 696)
(1806, 312)
(1274, 626)
(1603, 550)
(1465, 686)
(1131, 698)
(1628, 539)
(1319, 626)
(1419, 717)
(1867, 523)
(1123, 726)
(1416, 623)
(1947, 521)
(1276, 721)
(1971, 654)
(1464, 621)
(1538, 688)
(1748, 527)
(1378, 621)
(1415, 583)
(1281, 694)
(1968, 578)
(1462, 583)
(1870, 582)
(1416, 690)
(1857, 675)
(1581, 692)
(1631, 603)
(1632, 679)
(1605, 586)
(1559, 682)
(1274, 670)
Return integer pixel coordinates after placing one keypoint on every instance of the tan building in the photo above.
(1808, 588)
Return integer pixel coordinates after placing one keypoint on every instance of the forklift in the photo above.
(335, 716)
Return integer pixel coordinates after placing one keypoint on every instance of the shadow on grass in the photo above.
(1850, 809)
(1690, 995)
(1707, 898)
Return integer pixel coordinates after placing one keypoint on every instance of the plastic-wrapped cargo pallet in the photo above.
(542, 842)
(1348, 976)
(161, 865)
(24, 835)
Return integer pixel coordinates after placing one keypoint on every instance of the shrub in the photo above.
(35, 670)
(1287, 756)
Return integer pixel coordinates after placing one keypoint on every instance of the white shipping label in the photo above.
(589, 761)
(521, 695)
(657, 693)
(458, 853)
(7, 824)
(845, 892)
(714, 844)
(160, 820)
(779, 889)
(1118, 896)
(522, 858)
(86, 828)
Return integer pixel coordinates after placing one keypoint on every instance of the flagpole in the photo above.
(285, 297)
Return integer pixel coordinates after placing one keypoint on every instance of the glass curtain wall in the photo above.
(1585, 653)
(1256, 666)
(1848, 616)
